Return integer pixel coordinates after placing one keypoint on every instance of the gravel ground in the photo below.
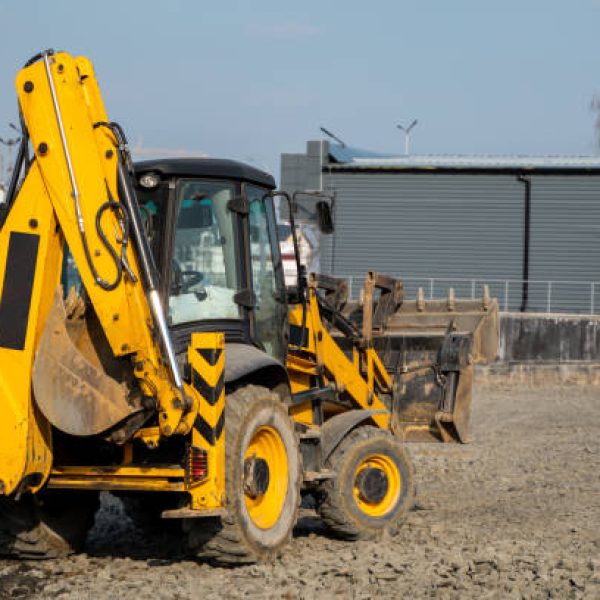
(515, 514)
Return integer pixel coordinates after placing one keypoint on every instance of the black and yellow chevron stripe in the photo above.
(206, 356)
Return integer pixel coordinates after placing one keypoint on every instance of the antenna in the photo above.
(407, 131)
(333, 137)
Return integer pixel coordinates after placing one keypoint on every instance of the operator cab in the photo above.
(212, 229)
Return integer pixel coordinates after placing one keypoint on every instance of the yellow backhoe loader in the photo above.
(149, 347)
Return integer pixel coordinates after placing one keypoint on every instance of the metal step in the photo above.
(312, 476)
(310, 434)
(189, 513)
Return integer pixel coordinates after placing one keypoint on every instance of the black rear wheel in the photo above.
(51, 524)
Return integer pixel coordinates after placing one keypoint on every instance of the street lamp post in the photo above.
(407, 131)
(9, 143)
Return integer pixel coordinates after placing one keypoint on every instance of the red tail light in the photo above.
(197, 464)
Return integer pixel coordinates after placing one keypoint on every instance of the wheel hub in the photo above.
(256, 476)
(372, 484)
(265, 477)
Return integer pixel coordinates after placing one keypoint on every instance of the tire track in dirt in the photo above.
(515, 514)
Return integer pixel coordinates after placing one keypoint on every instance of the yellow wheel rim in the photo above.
(378, 506)
(264, 507)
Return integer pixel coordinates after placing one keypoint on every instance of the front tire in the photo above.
(262, 480)
(374, 487)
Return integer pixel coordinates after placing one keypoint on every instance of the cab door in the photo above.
(270, 311)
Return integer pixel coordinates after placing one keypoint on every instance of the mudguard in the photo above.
(242, 360)
(335, 429)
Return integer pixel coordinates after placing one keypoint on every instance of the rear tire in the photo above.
(374, 487)
(52, 524)
(261, 511)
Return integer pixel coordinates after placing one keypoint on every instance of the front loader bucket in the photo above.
(430, 348)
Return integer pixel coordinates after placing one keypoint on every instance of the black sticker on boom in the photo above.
(19, 275)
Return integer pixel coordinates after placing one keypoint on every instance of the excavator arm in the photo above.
(77, 196)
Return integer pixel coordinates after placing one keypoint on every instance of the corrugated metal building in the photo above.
(459, 221)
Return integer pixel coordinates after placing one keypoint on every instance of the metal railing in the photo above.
(546, 296)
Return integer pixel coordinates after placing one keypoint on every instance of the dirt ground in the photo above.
(515, 514)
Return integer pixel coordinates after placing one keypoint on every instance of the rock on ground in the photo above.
(515, 514)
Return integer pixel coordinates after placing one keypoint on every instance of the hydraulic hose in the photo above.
(103, 283)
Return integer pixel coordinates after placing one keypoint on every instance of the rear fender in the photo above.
(247, 364)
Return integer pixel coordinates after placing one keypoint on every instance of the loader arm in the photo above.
(410, 363)
(76, 193)
(314, 354)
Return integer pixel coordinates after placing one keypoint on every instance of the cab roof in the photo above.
(218, 168)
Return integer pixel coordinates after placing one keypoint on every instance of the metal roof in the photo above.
(485, 161)
(345, 154)
(345, 158)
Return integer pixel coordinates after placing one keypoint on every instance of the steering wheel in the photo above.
(190, 279)
(183, 281)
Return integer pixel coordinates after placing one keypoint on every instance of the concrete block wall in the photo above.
(542, 349)
(557, 338)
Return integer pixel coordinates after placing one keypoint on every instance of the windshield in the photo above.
(203, 273)
(204, 276)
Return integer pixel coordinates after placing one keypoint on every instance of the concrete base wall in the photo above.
(537, 374)
(530, 337)
(538, 349)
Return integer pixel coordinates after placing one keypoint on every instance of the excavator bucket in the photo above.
(430, 348)
(73, 393)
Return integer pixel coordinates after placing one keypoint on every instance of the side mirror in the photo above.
(324, 217)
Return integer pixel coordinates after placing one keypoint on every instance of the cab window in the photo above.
(204, 275)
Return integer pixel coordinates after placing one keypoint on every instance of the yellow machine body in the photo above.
(74, 173)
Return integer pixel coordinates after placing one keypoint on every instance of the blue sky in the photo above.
(252, 79)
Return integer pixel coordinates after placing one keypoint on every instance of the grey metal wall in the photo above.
(463, 225)
(427, 225)
(565, 241)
